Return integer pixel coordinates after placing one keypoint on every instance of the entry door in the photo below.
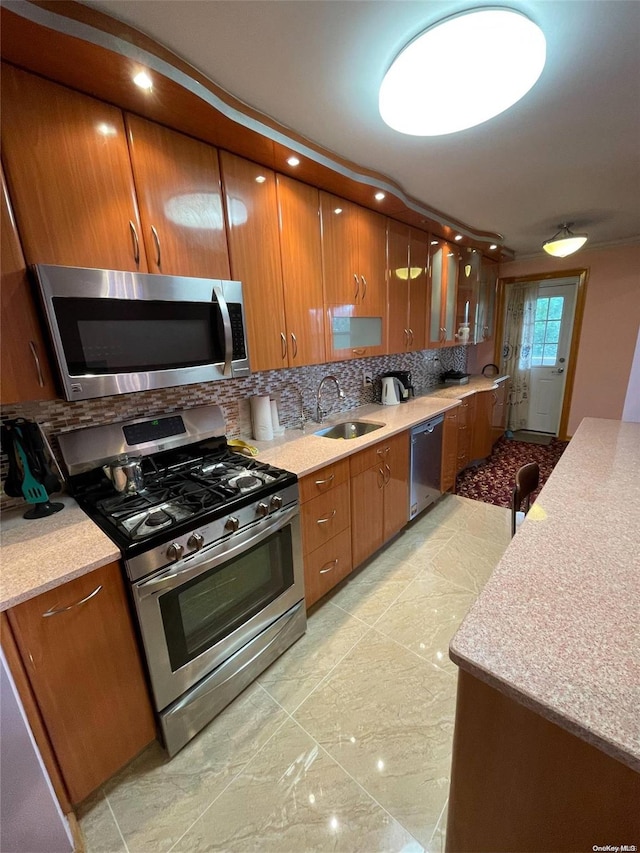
(555, 309)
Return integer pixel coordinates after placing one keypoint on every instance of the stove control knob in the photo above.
(174, 551)
(276, 502)
(232, 524)
(195, 541)
(262, 509)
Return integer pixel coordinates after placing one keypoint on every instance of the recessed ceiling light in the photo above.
(293, 161)
(379, 196)
(338, 210)
(260, 179)
(500, 50)
(143, 80)
(493, 246)
(458, 237)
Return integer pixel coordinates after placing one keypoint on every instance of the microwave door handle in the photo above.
(170, 579)
(226, 323)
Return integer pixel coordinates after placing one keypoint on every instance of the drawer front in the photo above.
(327, 566)
(372, 456)
(322, 481)
(324, 517)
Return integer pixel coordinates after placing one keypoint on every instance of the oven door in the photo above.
(203, 609)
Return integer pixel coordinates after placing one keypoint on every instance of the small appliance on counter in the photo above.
(29, 473)
(391, 391)
(405, 389)
(455, 377)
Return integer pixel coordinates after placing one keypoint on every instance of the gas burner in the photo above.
(157, 518)
(245, 482)
(139, 525)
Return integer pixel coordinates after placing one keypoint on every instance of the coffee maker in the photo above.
(404, 377)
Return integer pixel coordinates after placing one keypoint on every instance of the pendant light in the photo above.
(564, 242)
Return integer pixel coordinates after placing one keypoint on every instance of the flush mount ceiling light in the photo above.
(564, 242)
(498, 52)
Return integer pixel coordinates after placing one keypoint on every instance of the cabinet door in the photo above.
(418, 289)
(468, 293)
(324, 517)
(487, 300)
(396, 490)
(499, 413)
(451, 263)
(178, 188)
(85, 671)
(443, 265)
(24, 365)
(69, 176)
(398, 239)
(301, 251)
(371, 263)
(449, 450)
(254, 249)
(482, 438)
(339, 218)
(367, 512)
(327, 566)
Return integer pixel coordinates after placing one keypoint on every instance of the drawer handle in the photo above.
(357, 281)
(328, 480)
(364, 286)
(326, 518)
(329, 567)
(54, 612)
(283, 340)
(294, 341)
(359, 351)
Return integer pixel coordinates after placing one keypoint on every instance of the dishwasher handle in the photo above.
(426, 427)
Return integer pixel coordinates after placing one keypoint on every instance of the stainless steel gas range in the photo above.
(210, 541)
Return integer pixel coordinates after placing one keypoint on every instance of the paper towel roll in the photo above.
(275, 420)
(261, 418)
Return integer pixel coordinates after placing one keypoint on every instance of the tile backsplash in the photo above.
(285, 386)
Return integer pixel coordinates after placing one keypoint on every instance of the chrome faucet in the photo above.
(320, 412)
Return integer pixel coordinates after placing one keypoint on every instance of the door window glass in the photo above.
(546, 330)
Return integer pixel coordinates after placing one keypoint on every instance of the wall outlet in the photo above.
(367, 378)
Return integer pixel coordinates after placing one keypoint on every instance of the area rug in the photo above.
(531, 437)
(492, 481)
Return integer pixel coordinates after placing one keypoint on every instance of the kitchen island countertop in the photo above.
(556, 627)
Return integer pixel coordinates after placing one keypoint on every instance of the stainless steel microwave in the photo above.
(116, 332)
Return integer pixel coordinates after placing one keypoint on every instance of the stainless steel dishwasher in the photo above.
(426, 464)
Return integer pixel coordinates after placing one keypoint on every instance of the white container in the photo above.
(275, 419)
(261, 422)
(391, 391)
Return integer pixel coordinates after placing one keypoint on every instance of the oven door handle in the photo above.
(226, 324)
(203, 562)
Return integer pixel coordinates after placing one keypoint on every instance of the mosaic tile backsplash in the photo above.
(285, 386)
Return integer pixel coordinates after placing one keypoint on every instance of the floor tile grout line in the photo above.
(115, 820)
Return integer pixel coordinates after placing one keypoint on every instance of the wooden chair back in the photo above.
(527, 481)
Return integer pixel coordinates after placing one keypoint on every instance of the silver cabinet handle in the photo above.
(34, 353)
(381, 475)
(329, 567)
(327, 517)
(283, 338)
(55, 611)
(444, 333)
(226, 325)
(294, 341)
(359, 351)
(156, 240)
(406, 337)
(136, 242)
(328, 480)
(357, 280)
(364, 286)
(411, 334)
(388, 477)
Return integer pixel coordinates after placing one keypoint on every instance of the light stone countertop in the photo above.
(39, 555)
(557, 627)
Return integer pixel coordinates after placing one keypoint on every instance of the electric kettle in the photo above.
(125, 474)
(392, 391)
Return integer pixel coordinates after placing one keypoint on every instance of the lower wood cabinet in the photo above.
(379, 494)
(499, 412)
(466, 422)
(482, 437)
(327, 566)
(449, 450)
(79, 652)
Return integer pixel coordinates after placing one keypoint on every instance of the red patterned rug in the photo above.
(493, 480)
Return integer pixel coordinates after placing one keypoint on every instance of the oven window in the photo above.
(203, 611)
(103, 336)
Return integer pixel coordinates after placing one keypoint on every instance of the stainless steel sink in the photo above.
(348, 429)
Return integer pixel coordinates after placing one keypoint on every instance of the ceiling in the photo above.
(568, 151)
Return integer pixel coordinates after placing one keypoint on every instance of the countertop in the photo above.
(557, 628)
(39, 555)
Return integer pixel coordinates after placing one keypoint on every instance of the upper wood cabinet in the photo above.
(24, 365)
(254, 248)
(354, 256)
(477, 281)
(407, 256)
(301, 253)
(69, 176)
(486, 307)
(79, 650)
(444, 260)
(177, 181)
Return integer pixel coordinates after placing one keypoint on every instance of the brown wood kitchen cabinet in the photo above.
(482, 434)
(449, 450)
(444, 260)
(326, 529)
(177, 181)
(79, 651)
(379, 494)
(466, 423)
(407, 254)
(499, 410)
(24, 365)
(486, 307)
(254, 250)
(69, 175)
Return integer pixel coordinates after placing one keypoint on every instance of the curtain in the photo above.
(517, 349)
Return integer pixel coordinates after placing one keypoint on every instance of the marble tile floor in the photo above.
(344, 743)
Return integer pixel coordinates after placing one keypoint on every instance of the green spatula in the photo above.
(33, 491)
